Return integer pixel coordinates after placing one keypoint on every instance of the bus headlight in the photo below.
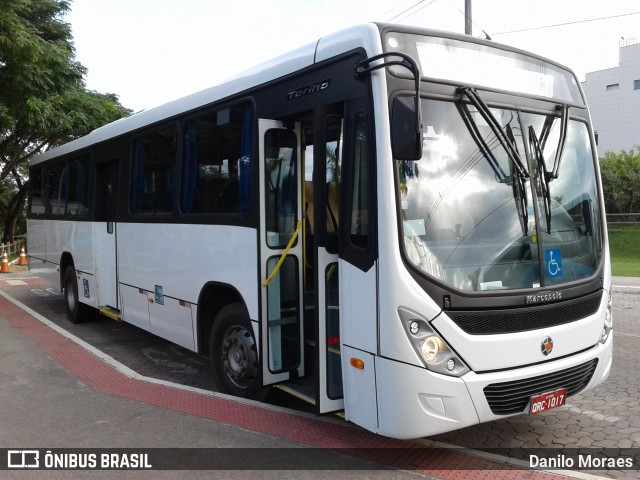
(431, 347)
(608, 321)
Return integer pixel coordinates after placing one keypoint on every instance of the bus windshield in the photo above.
(471, 219)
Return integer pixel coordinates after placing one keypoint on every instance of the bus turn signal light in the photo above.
(356, 363)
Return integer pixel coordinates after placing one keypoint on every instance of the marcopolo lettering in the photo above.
(543, 297)
(309, 89)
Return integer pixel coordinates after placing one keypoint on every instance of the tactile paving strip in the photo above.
(97, 374)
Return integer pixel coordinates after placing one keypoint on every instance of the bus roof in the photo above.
(365, 36)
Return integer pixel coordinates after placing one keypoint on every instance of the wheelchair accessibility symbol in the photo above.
(553, 263)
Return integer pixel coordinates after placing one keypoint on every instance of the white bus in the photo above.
(403, 224)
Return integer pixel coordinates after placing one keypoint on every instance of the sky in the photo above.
(149, 52)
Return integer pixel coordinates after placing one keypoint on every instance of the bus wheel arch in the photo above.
(66, 261)
(226, 332)
(76, 310)
(213, 297)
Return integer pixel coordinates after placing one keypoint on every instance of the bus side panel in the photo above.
(358, 307)
(360, 399)
(72, 237)
(37, 250)
(36, 245)
(171, 318)
(172, 262)
(135, 306)
(56, 241)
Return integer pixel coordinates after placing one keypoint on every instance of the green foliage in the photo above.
(37, 58)
(43, 99)
(624, 246)
(621, 180)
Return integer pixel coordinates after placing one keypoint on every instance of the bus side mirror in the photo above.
(406, 129)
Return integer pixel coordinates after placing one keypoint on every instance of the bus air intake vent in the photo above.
(490, 322)
(513, 397)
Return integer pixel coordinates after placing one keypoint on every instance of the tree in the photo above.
(43, 99)
(621, 180)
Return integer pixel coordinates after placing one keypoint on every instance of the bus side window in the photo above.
(58, 188)
(360, 228)
(357, 235)
(78, 190)
(39, 190)
(153, 189)
(216, 173)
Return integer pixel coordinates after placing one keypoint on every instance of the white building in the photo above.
(613, 95)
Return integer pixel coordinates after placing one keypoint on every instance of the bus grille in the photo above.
(513, 397)
(488, 322)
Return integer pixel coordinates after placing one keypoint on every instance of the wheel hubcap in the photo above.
(239, 357)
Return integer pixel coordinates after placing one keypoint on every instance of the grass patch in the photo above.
(624, 245)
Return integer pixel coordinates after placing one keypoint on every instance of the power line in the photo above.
(396, 18)
(567, 23)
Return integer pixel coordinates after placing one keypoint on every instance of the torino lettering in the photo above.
(308, 89)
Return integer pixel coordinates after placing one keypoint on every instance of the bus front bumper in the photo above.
(414, 402)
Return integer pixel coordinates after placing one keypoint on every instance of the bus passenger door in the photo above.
(327, 160)
(281, 253)
(104, 234)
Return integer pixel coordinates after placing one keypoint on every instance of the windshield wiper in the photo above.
(484, 148)
(546, 129)
(507, 140)
(537, 147)
(483, 109)
(536, 151)
(519, 187)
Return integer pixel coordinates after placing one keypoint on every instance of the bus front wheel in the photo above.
(234, 354)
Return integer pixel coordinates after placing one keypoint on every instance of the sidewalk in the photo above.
(625, 284)
(626, 281)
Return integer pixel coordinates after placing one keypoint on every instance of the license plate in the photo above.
(547, 401)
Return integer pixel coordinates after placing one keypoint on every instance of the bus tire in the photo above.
(76, 311)
(234, 354)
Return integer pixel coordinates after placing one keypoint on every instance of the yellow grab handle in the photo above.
(284, 254)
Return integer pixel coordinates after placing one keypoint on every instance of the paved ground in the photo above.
(608, 416)
(62, 399)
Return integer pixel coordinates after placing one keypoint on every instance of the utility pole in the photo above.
(467, 17)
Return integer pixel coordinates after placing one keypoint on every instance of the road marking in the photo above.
(593, 414)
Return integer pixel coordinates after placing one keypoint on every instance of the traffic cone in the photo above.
(23, 257)
(5, 263)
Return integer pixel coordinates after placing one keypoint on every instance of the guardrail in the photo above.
(623, 218)
(13, 248)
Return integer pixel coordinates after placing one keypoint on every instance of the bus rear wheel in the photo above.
(76, 311)
(234, 354)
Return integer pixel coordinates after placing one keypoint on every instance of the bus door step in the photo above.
(302, 391)
(112, 313)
